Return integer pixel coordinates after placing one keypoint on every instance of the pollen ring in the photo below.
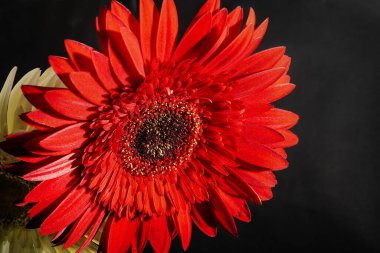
(160, 137)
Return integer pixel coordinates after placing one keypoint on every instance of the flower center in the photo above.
(160, 137)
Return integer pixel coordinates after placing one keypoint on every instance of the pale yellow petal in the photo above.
(4, 247)
(50, 79)
(18, 104)
(4, 99)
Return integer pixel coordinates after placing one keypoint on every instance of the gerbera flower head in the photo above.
(151, 135)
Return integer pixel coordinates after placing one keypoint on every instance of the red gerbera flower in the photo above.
(150, 136)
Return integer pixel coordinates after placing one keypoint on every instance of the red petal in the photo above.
(276, 119)
(43, 209)
(236, 186)
(251, 20)
(63, 67)
(290, 139)
(202, 216)
(103, 70)
(126, 17)
(133, 47)
(261, 181)
(68, 138)
(172, 192)
(260, 155)
(80, 55)
(19, 138)
(212, 167)
(39, 119)
(220, 154)
(52, 170)
(264, 192)
(35, 95)
(119, 56)
(94, 230)
(274, 92)
(67, 104)
(89, 88)
(258, 35)
(281, 152)
(149, 17)
(283, 79)
(123, 232)
(210, 6)
(53, 188)
(184, 227)
(82, 225)
(284, 62)
(216, 37)
(159, 235)
(193, 36)
(237, 207)
(255, 110)
(117, 66)
(264, 177)
(101, 29)
(244, 87)
(262, 134)
(143, 237)
(40, 211)
(232, 53)
(222, 213)
(234, 23)
(261, 61)
(74, 205)
(167, 30)
(33, 159)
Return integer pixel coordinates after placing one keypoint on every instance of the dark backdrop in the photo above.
(329, 197)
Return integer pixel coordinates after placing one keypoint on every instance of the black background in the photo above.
(328, 199)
